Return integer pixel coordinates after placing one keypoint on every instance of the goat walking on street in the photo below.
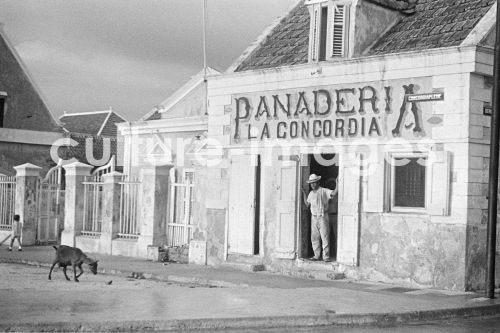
(67, 255)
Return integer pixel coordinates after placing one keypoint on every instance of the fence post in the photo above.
(26, 200)
(73, 201)
(153, 208)
(110, 210)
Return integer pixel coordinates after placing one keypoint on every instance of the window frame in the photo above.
(3, 108)
(316, 23)
(392, 182)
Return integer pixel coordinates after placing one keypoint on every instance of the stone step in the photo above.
(249, 267)
(315, 274)
(309, 265)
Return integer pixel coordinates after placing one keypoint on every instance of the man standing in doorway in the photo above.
(317, 200)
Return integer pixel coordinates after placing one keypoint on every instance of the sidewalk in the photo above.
(271, 300)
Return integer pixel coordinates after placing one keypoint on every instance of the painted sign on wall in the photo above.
(377, 109)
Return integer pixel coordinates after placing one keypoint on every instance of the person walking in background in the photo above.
(317, 200)
(16, 233)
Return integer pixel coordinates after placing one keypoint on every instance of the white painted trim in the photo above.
(24, 68)
(182, 92)
(104, 122)
(27, 170)
(187, 124)
(84, 113)
(482, 28)
(29, 137)
(379, 65)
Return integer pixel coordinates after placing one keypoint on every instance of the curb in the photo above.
(171, 325)
(330, 319)
(391, 319)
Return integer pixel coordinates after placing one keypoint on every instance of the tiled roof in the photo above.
(93, 123)
(434, 23)
(287, 44)
(406, 6)
(79, 151)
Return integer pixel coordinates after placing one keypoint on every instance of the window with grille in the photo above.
(409, 182)
(328, 30)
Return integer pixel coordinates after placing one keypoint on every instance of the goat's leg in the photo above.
(66, 275)
(81, 270)
(51, 268)
(74, 272)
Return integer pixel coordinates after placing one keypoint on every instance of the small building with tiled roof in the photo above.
(97, 129)
(386, 104)
(92, 122)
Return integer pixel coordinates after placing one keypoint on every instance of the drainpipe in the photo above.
(493, 176)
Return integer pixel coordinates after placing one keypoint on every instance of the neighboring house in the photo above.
(96, 128)
(390, 97)
(27, 127)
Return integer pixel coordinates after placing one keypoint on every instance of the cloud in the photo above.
(99, 79)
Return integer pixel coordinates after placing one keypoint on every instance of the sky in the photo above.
(88, 55)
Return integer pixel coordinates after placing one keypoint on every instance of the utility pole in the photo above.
(493, 177)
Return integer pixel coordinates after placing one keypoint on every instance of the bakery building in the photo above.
(390, 97)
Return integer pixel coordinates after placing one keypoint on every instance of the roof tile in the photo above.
(433, 23)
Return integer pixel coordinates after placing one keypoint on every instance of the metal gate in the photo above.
(93, 199)
(179, 226)
(7, 201)
(50, 209)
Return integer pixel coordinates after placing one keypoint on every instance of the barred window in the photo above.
(409, 182)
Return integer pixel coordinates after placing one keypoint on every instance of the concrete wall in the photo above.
(416, 249)
(13, 154)
(480, 92)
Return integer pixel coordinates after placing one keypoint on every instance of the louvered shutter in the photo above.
(338, 36)
(314, 33)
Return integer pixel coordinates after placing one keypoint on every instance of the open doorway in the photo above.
(322, 165)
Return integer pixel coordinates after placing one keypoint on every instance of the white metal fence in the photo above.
(50, 205)
(129, 209)
(92, 199)
(7, 201)
(92, 206)
(179, 226)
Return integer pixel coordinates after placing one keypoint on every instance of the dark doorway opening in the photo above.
(323, 165)
(256, 238)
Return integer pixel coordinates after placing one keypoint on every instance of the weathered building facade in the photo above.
(27, 127)
(390, 98)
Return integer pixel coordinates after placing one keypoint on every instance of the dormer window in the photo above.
(329, 35)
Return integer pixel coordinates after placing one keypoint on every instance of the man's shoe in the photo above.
(19, 249)
(314, 259)
(326, 259)
(10, 249)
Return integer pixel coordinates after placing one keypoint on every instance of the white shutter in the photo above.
(338, 30)
(241, 205)
(438, 183)
(348, 212)
(287, 206)
(314, 31)
(373, 186)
